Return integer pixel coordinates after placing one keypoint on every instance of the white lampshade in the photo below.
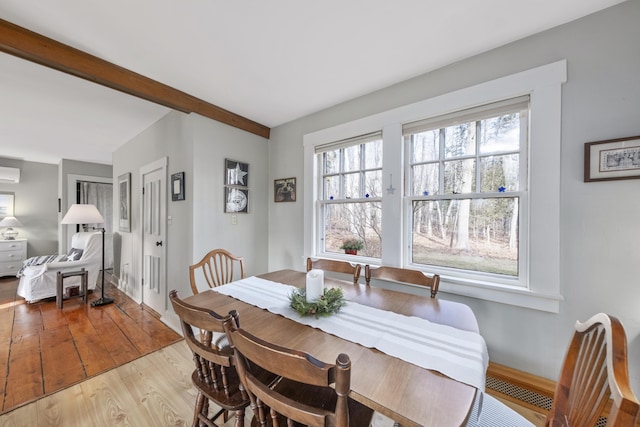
(9, 233)
(82, 214)
(10, 221)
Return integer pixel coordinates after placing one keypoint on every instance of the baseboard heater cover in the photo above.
(533, 392)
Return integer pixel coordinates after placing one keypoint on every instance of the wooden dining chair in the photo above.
(336, 266)
(595, 369)
(403, 275)
(309, 392)
(217, 267)
(215, 377)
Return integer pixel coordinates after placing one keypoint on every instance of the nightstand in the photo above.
(12, 255)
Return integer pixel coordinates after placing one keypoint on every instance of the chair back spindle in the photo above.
(217, 268)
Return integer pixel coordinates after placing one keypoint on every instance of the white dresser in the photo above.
(12, 254)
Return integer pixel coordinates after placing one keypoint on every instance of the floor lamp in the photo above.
(89, 214)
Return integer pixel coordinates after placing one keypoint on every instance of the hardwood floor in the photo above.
(46, 349)
(154, 390)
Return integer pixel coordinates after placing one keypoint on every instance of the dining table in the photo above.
(405, 392)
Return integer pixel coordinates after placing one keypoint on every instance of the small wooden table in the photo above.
(406, 393)
(60, 281)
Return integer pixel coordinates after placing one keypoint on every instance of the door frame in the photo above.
(162, 164)
(64, 244)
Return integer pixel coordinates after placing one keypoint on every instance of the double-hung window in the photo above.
(466, 183)
(350, 194)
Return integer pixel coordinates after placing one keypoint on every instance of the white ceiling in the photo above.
(269, 61)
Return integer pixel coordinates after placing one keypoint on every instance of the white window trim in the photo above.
(475, 277)
(544, 85)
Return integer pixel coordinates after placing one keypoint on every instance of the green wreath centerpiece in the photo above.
(331, 301)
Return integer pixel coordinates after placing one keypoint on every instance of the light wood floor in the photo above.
(44, 349)
(154, 390)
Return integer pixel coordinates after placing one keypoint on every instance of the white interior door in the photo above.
(154, 208)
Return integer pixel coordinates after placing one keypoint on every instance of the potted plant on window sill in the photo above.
(351, 246)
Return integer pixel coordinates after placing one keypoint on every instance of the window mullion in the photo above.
(361, 172)
(478, 164)
(393, 175)
(442, 156)
(342, 175)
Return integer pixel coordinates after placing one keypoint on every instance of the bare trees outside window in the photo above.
(351, 195)
(466, 185)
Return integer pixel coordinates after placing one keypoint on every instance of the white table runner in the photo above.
(461, 355)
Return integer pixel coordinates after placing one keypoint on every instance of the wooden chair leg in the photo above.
(200, 399)
(239, 418)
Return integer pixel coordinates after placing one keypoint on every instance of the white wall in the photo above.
(600, 231)
(169, 137)
(197, 146)
(36, 205)
(212, 228)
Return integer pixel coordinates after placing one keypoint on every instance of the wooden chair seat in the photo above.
(336, 266)
(231, 399)
(403, 275)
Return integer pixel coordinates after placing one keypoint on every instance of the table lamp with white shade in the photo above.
(9, 233)
(89, 214)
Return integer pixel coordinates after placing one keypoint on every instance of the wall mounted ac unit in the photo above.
(9, 175)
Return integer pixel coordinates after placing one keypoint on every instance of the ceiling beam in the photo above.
(26, 44)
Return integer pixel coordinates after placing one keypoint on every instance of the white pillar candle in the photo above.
(315, 285)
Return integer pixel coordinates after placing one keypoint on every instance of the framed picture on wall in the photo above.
(177, 186)
(236, 200)
(613, 159)
(236, 173)
(284, 190)
(7, 200)
(236, 186)
(124, 200)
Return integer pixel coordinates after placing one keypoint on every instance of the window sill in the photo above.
(505, 294)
